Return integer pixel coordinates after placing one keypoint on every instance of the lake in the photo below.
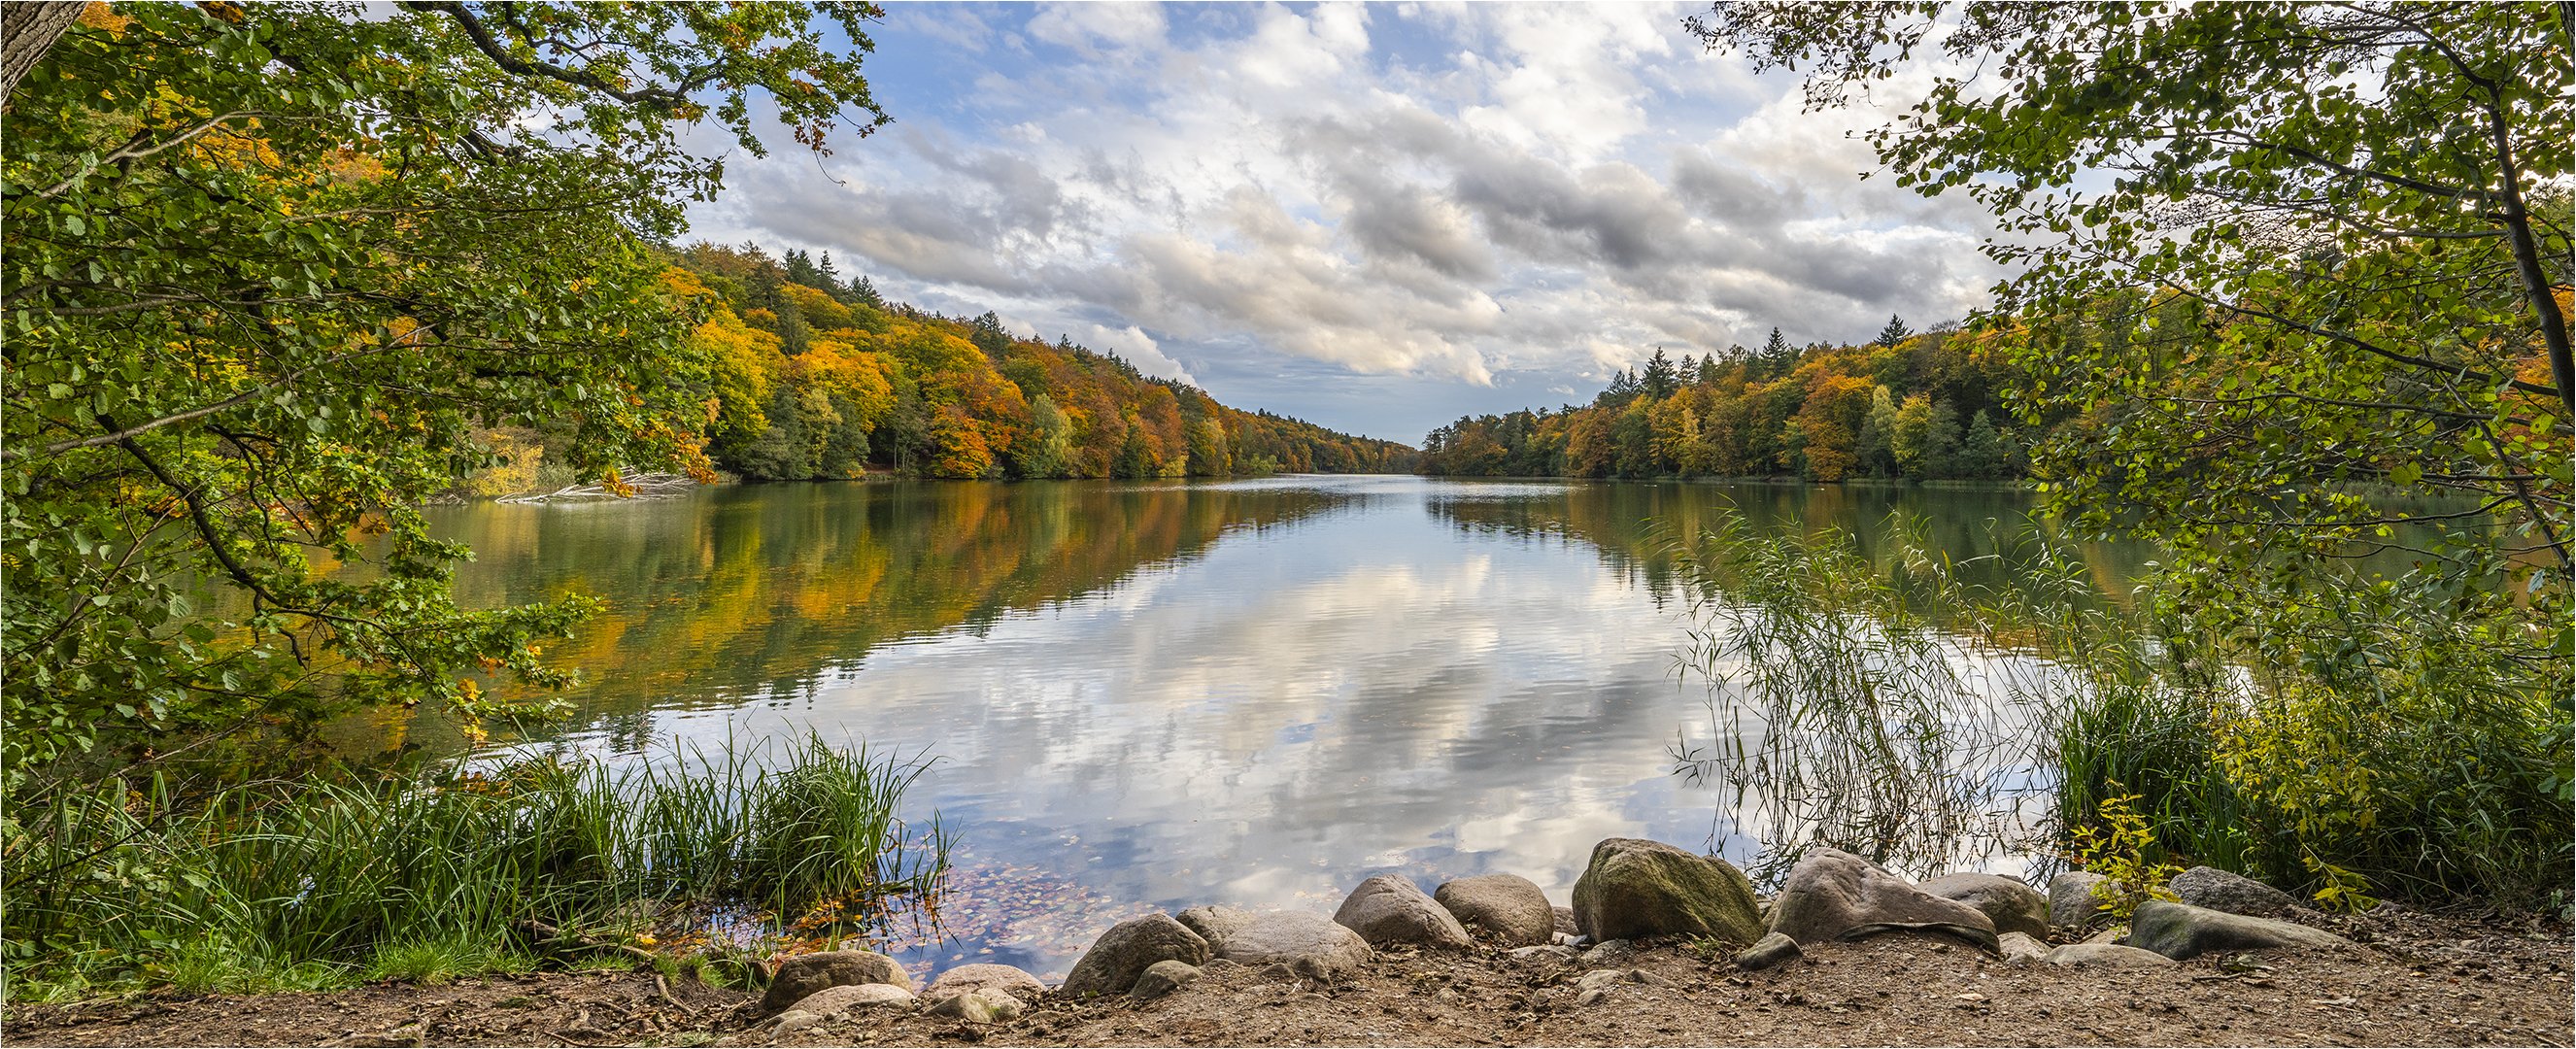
(1156, 695)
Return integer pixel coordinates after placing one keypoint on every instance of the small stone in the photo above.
(1545, 952)
(982, 976)
(2219, 890)
(2071, 903)
(791, 1021)
(981, 1005)
(1770, 950)
(1647, 978)
(1592, 997)
(2107, 955)
(1598, 978)
(2021, 948)
(834, 1001)
(1162, 978)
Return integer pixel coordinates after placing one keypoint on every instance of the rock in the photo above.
(1545, 951)
(1634, 887)
(1507, 907)
(1647, 978)
(2219, 890)
(2180, 930)
(1771, 950)
(805, 974)
(1123, 953)
(983, 976)
(1592, 996)
(1599, 978)
(1214, 924)
(2107, 955)
(983, 1005)
(2021, 948)
(834, 1001)
(2008, 902)
(1162, 978)
(2071, 903)
(1834, 895)
(1570, 939)
(1310, 945)
(791, 1021)
(1389, 909)
(1608, 952)
(1565, 921)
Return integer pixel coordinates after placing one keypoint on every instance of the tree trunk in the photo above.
(27, 31)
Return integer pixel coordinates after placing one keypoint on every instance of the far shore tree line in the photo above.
(1921, 407)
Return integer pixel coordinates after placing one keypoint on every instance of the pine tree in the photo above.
(864, 290)
(1661, 378)
(1894, 333)
(1777, 356)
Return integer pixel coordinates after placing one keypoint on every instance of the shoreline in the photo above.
(2416, 984)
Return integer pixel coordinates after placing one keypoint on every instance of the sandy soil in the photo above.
(2419, 980)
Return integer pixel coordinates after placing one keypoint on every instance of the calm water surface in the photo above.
(1153, 696)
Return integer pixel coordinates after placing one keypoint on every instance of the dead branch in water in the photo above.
(637, 486)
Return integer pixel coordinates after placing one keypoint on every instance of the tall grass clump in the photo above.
(2404, 735)
(301, 883)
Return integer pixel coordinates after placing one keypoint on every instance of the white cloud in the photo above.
(1449, 193)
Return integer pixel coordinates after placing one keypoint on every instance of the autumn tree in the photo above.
(270, 269)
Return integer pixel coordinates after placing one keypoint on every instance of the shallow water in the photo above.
(1145, 696)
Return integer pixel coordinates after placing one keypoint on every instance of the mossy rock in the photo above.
(1635, 887)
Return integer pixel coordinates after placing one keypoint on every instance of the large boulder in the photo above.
(1311, 945)
(2008, 902)
(2071, 902)
(1634, 887)
(2180, 930)
(804, 974)
(1130, 947)
(1389, 910)
(2219, 890)
(1834, 895)
(1506, 907)
(983, 976)
(1215, 923)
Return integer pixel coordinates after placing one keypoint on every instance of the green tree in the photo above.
(1895, 332)
(1877, 443)
(2366, 201)
(1049, 451)
(270, 269)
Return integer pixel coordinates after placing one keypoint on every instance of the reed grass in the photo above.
(2377, 738)
(295, 884)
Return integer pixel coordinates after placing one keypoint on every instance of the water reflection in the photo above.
(1167, 695)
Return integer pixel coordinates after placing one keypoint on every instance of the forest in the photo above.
(1917, 406)
(811, 376)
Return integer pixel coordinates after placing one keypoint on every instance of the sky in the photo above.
(1375, 217)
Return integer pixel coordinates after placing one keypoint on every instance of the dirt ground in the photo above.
(2419, 980)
